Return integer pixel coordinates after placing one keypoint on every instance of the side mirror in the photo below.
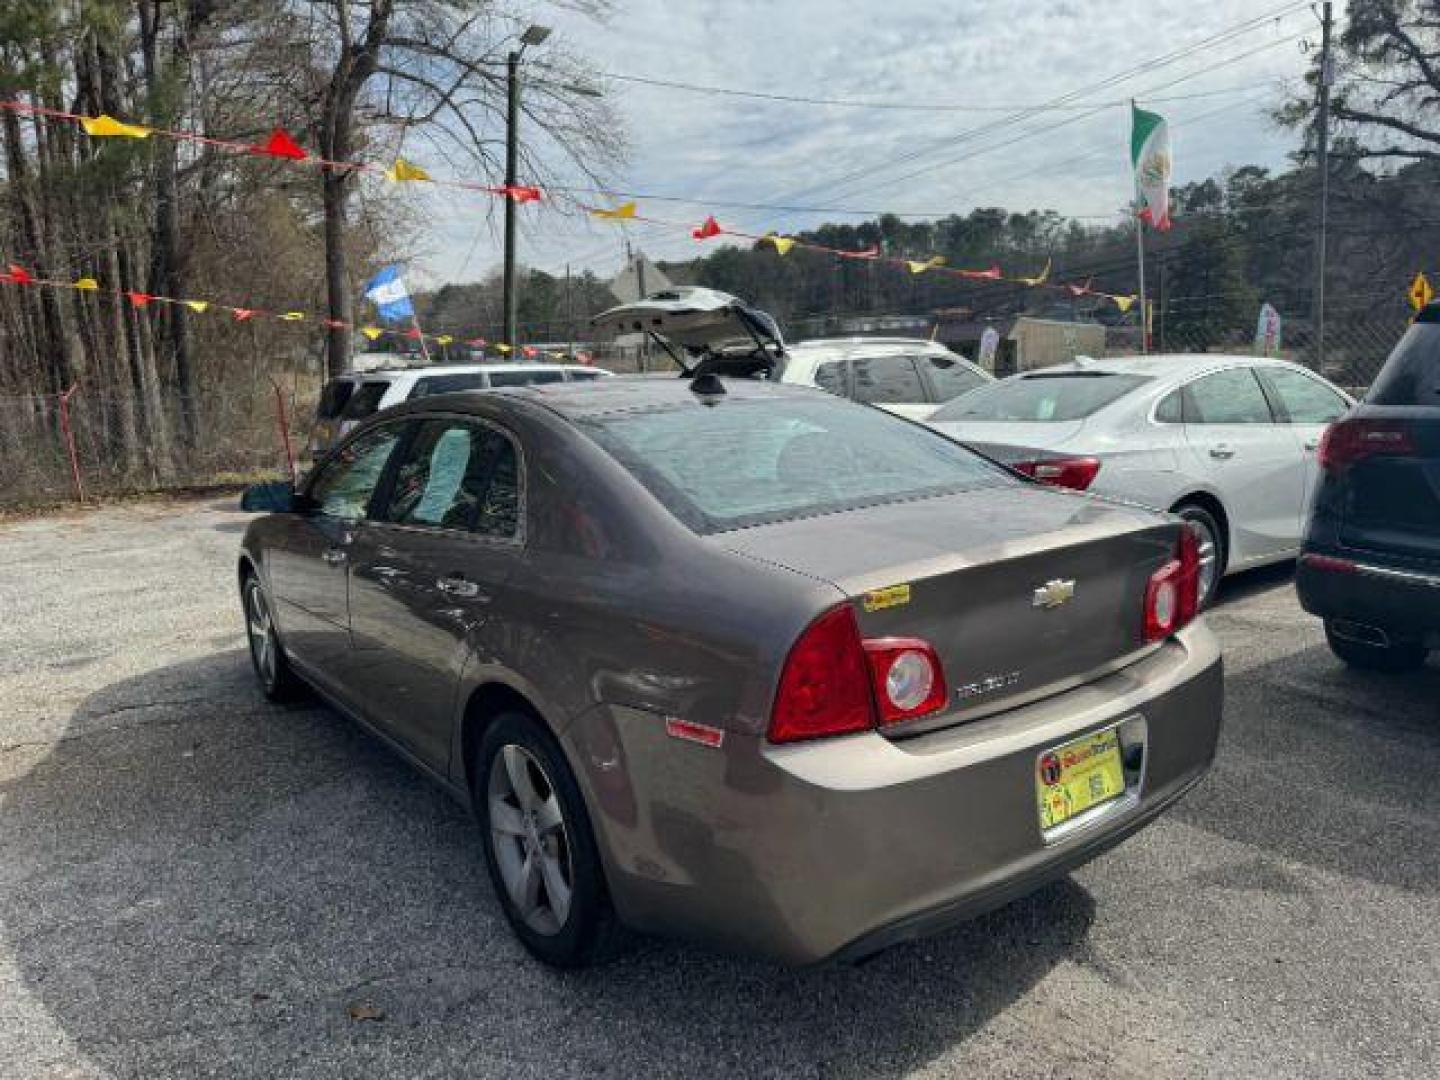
(272, 497)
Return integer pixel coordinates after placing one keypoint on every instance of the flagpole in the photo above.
(1140, 257)
(420, 336)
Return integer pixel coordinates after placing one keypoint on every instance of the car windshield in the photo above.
(1412, 374)
(1071, 395)
(746, 463)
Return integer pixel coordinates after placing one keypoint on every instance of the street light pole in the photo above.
(512, 139)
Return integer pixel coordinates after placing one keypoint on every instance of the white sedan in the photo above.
(1227, 442)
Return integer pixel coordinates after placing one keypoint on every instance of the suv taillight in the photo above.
(834, 683)
(1348, 441)
(1077, 473)
(1172, 598)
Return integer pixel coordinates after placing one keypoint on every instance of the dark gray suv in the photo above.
(1371, 561)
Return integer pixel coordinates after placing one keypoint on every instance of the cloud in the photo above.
(971, 52)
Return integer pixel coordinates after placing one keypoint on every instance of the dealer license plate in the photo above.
(1078, 776)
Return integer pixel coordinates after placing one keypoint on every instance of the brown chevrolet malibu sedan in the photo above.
(738, 661)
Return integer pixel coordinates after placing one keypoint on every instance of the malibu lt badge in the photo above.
(1053, 593)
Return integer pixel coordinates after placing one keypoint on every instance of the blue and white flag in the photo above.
(386, 290)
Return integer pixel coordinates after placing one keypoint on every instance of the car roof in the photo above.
(458, 369)
(621, 393)
(1168, 364)
(877, 344)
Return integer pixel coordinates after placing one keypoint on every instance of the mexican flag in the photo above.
(1150, 155)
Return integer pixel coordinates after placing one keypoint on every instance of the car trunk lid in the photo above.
(1017, 605)
(1392, 488)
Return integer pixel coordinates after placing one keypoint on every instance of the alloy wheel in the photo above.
(530, 839)
(264, 649)
(1209, 546)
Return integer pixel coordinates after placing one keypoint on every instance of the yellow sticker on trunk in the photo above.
(888, 597)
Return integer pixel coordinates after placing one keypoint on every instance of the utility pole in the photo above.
(1322, 146)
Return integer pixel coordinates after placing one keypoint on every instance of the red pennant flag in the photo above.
(243, 313)
(476, 343)
(19, 275)
(413, 333)
(335, 324)
(140, 299)
(866, 253)
(520, 193)
(584, 358)
(281, 145)
(1080, 290)
(993, 274)
(530, 351)
(706, 229)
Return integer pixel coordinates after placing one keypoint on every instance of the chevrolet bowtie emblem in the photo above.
(1053, 593)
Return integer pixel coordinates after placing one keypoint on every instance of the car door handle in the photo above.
(457, 586)
(334, 556)
(1222, 451)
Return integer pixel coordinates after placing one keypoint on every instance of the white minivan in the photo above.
(349, 399)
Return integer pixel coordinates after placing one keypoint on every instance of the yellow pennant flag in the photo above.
(928, 264)
(371, 332)
(1040, 278)
(402, 170)
(293, 316)
(503, 348)
(198, 306)
(1124, 303)
(444, 339)
(88, 284)
(105, 127)
(783, 244)
(623, 212)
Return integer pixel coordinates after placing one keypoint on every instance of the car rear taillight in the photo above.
(1172, 598)
(1348, 441)
(907, 678)
(1077, 473)
(836, 684)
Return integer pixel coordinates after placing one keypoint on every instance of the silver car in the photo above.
(736, 661)
(1227, 442)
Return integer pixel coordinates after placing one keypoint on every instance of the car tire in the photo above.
(1212, 544)
(539, 846)
(1399, 655)
(277, 678)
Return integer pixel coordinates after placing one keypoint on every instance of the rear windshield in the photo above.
(1062, 396)
(365, 401)
(753, 462)
(447, 384)
(1412, 374)
(333, 398)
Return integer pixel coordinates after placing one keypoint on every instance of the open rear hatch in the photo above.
(703, 330)
(1018, 605)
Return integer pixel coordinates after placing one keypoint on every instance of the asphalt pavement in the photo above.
(196, 883)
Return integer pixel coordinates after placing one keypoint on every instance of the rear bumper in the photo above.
(1395, 597)
(837, 848)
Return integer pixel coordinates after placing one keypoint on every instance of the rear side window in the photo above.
(456, 475)
(525, 378)
(1062, 396)
(447, 384)
(364, 401)
(1305, 400)
(748, 463)
(1412, 374)
(1227, 397)
(333, 398)
(950, 377)
(887, 378)
(831, 376)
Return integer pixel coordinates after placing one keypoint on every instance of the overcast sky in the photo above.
(981, 54)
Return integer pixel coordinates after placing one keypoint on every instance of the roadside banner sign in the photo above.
(1420, 292)
(1267, 331)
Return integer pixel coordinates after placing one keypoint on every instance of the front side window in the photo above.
(746, 463)
(1305, 400)
(1227, 397)
(365, 401)
(1070, 395)
(830, 376)
(456, 474)
(887, 378)
(951, 377)
(345, 483)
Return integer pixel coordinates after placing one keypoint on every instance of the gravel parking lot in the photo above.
(194, 882)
